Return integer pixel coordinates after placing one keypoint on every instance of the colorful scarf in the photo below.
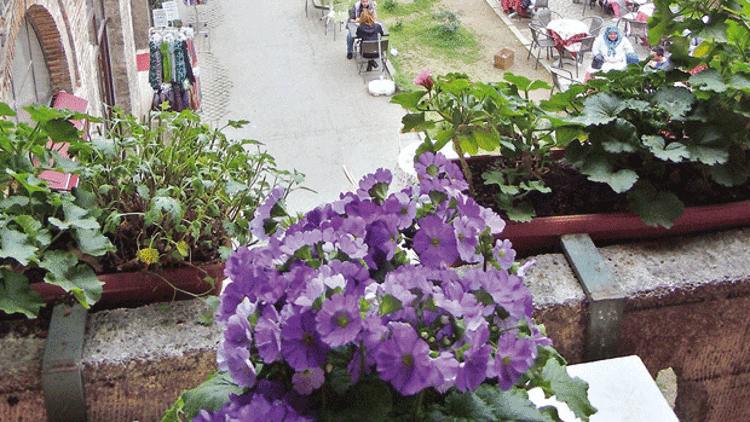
(612, 45)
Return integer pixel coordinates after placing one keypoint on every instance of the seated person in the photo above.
(369, 30)
(354, 14)
(659, 60)
(611, 50)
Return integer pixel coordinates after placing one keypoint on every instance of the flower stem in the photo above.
(418, 406)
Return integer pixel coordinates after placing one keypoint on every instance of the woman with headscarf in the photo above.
(611, 50)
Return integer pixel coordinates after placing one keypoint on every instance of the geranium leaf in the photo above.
(93, 242)
(674, 152)
(676, 101)
(17, 296)
(708, 80)
(601, 171)
(66, 272)
(655, 208)
(16, 245)
(408, 100)
(522, 212)
(573, 391)
(707, 154)
(513, 404)
(211, 395)
(599, 109)
(169, 205)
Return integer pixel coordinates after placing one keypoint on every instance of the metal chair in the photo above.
(587, 45)
(595, 24)
(589, 3)
(544, 16)
(541, 40)
(635, 29)
(372, 50)
(561, 80)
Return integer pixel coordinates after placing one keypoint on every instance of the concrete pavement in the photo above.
(270, 64)
(304, 100)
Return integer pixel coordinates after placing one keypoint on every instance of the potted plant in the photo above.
(352, 313)
(157, 198)
(640, 134)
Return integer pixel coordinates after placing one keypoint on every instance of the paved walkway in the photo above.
(301, 96)
(268, 63)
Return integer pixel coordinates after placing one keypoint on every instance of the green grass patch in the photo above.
(422, 30)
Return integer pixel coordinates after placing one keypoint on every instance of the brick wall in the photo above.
(68, 31)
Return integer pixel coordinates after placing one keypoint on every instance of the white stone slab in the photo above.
(621, 389)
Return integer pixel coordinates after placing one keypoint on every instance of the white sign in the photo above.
(170, 7)
(160, 18)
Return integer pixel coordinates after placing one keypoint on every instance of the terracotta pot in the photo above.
(130, 289)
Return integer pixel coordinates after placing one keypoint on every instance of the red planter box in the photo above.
(131, 289)
(542, 234)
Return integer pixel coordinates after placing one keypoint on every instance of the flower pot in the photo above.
(542, 234)
(130, 289)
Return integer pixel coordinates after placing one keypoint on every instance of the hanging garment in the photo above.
(154, 69)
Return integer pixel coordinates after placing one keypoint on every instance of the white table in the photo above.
(621, 389)
(566, 29)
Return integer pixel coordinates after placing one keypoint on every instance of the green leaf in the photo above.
(211, 395)
(573, 391)
(462, 407)
(168, 205)
(93, 242)
(674, 152)
(677, 101)
(599, 109)
(709, 79)
(513, 404)
(389, 304)
(17, 296)
(707, 154)
(600, 170)
(522, 212)
(66, 272)
(412, 121)
(655, 208)
(408, 100)
(16, 245)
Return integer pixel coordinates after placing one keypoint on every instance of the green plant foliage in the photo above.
(167, 191)
(500, 118)
(175, 187)
(45, 235)
(210, 395)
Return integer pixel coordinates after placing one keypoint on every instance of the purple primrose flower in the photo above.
(339, 322)
(435, 242)
(404, 360)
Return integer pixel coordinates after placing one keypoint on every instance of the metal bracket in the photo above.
(606, 298)
(61, 364)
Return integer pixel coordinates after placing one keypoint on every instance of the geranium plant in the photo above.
(353, 313)
(642, 128)
(46, 235)
(497, 118)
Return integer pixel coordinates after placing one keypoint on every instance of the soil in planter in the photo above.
(572, 193)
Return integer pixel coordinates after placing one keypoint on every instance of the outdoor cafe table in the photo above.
(567, 34)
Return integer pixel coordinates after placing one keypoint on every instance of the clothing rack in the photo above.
(173, 69)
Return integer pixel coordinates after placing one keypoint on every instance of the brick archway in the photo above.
(54, 52)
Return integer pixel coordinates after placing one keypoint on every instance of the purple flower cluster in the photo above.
(368, 277)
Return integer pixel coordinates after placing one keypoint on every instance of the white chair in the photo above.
(376, 50)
